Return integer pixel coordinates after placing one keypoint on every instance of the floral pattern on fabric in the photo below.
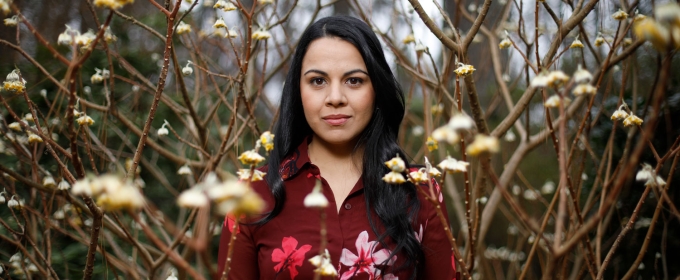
(419, 235)
(289, 166)
(229, 221)
(365, 259)
(290, 257)
(439, 190)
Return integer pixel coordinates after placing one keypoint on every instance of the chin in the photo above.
(337, 138)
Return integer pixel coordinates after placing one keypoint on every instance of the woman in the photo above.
(339, 119)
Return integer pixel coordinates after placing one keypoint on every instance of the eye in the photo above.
(355, 81)
(317, 81)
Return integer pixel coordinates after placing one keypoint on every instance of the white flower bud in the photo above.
(184, 170)
(63, 185)
(66, 38)
(59, 214)
(163, 131)
(396, 164)
(49, 182)
(452, 165)
(192, 198)
(548, 187)
(187, 70)
(461, 122)
(316, 199)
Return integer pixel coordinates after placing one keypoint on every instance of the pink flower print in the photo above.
(366, 259)
(290, 257)
(419, 235)
(453, 264)
(230, 220)
(387, 277)
(439, 190)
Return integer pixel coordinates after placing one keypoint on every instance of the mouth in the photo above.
(336, 120)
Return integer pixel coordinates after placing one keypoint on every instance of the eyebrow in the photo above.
(344, 75)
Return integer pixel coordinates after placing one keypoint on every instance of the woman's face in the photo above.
(337, 94)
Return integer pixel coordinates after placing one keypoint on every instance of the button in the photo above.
(348, 206)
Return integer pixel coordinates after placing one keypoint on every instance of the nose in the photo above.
(336, 96)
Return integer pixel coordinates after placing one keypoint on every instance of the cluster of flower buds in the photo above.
(231, 33)
(397, 166)
(267, 141)
(70, 35)
(15, 204)
(629, 119)
(22, 267)
(432, 144)
(648, 176)
(224, 6)
(84, 120)
(505, 43)
(557, 79)
(450, 132)
(108, 35)
(230, 196)
(4, 6)
(183, 28)
(244, 174)
(219, 23)
(12, 22)
(425, 173)
(112, 4)
(323, 264)
(503, 254)
(599, 40)
(464, 69)
(576, 43)
(483, 144)
(408, 39)
(620, 15)
(14, 83)
(451, 165)
(582, 77)
(252, 158)
(261, 34)
(100, 75)
(110, 191)
(664, 30)
(85, 39)
(554, 79)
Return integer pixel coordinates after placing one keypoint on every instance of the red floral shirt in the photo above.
(281, 248)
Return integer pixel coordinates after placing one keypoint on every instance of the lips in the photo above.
(336, 119)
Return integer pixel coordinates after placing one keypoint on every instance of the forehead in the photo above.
(331, 52)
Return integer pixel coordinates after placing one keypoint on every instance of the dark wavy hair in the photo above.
(395, 207)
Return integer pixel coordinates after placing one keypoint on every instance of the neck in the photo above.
(323, 153)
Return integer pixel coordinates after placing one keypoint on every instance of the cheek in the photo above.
(367, 104)
(308, 103)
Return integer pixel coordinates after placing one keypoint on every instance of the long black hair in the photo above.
(395, 206)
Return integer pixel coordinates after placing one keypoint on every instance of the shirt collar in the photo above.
(293, 163)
